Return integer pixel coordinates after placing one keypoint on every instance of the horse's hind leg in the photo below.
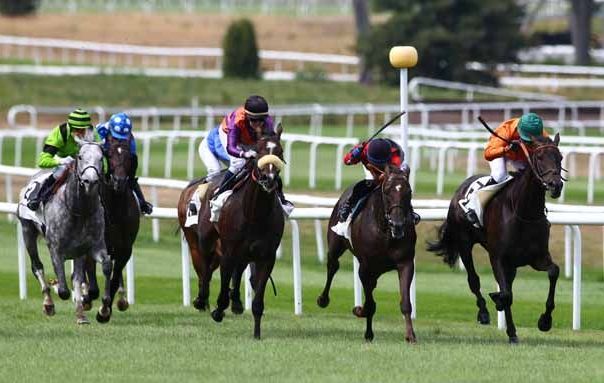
(546, 264)
(235, 293)
(92, 292)
(227, 264)
(504, 300)
(77, 279)
(336, 247)
(122, 302)
(483, 316)
(368, 310)
(405, 276)
(30, 236)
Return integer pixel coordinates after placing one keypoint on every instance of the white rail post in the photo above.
(186, 271)
(358, 288)
(249, 292)
(297, 267)
(576, 277)
(500, 316)
(21, 261)
(568, 240)
(312, 171)
(130, 280)
(319, 241)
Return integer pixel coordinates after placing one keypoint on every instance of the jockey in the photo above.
(499, 152)
(120, 127)
(59, 143)
(375, 156)
(212, 153)
(239, 128)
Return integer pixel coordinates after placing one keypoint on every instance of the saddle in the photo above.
(478, 195)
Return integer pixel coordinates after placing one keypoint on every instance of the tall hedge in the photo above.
(18, 7)
(240, 51)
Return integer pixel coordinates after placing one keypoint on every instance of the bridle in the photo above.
(535, 166)
(390, 208)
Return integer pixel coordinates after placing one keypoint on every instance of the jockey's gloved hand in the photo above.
(357, 151)
(514, 146)
(66, 161)
(249, 154)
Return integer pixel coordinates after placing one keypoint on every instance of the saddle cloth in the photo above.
(37, 217)
(478, 196)
(192, 216)
(218, 202)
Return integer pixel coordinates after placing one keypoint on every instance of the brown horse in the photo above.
(249, 229)
(515, 233)
(382, 239)
(205, 264)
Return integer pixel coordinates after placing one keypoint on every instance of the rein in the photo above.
(536, 171)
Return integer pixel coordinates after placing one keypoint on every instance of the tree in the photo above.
(240, 52)
(361, 18)
(447, 34)
(580, 28)
(18, 7)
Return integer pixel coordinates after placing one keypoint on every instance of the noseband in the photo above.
(80, 174)
(534, 166)
(391, 207)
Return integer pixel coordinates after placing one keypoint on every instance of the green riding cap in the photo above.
(530, 125)
(79, 119)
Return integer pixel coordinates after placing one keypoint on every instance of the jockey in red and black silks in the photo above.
(375, 156)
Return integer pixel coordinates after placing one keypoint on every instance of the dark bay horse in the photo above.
(382, 239)
(74, 223)
(205, 264)
(250, 227)
(515, 233)
(122, 219)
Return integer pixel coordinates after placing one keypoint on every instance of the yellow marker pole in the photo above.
(402, 58)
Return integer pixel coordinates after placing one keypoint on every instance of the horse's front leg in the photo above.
(235, 293)
(369, 282)
(59, 265)
(405, 277)
(100, 255)
(92, 292)
(553, 271)
(505, 298)
(30, 235)
(264, 268)
(227, 265)
(77, 279)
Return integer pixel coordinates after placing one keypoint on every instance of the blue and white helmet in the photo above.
(120, 126)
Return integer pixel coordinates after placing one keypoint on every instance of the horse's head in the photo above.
(396, 197)
(269, 160)
(545, 160)
(88, 165)
(120, 164)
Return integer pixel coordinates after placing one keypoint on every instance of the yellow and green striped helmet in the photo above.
(79, 119)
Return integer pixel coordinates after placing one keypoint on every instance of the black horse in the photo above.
(122, 219)
(249, 229)
(515, 233)
(382, 239)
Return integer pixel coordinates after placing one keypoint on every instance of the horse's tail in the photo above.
(446, 246)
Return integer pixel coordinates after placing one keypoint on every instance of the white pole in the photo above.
(186, 271)
(567, 251)
(412, 294)
(130, 279)
(21, 261)
(248, 288)
(576, 278)
(297, 267)
(500, 316)
(358, 289)
(405, 118)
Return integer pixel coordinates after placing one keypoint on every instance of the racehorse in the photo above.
(250, 226)
(205, 263)
(122, 219)
(382, 238)
(73, 221)
(515, 233)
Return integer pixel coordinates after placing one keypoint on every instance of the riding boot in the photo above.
(280, 193)
(226, 184)
(146, 207)
(358, 191)
(416, 217)
(41, 194)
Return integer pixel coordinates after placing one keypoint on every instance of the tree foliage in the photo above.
(447, 34)
(18, 7)
(240, 51)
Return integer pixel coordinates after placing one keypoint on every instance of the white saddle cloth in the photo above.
(477, 196)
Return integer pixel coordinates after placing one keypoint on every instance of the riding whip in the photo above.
(386, 125)
(492, 131)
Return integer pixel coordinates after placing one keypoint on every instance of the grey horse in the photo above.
(74, 227)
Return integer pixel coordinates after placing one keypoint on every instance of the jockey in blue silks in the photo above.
(120, 127)
(212, 153)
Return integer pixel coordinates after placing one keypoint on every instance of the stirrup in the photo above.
(472, 218)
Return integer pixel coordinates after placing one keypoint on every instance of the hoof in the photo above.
(513, 340)
(123, 305)
(64, 294)
(49, 310)
(358, 312)
(200, 305)
(483, 317)
(87, 306)
(82, 320)
(218, 316)
(545, 322)
(411, 339)
(369, 337)
(103, 318)
(322, 301)
(237, 307)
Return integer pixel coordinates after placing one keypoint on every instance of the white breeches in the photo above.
(236, 163)
(499, 170)
(211, 163)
